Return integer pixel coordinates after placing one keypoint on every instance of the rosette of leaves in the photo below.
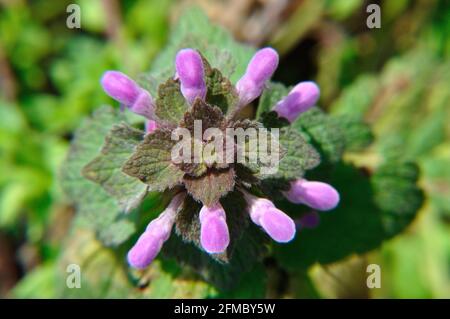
(132, 163)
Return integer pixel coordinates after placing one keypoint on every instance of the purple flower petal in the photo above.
(157, 232)
(145, 250)
(124, 90)
(317, 195)
(301, 98)
(276, 223)
(189, 70)
(214, 235)
(259, 70)
(144, 105)
(120, 87)
(257, 207)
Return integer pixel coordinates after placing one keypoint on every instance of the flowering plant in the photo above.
(200, 93)
(205, 213)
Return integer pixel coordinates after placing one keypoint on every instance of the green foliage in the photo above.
(318, 128)
(300, 156)
(29, 160)
(106, 169)
(210, 187)
(406, 104)
(354, 134)
(52, 83)
(394, 82)
(370, 211)
(209, 115)
(397, 195)
(170, 104)
(221, 91)
(148, 159)
(324, 132)
(99, 210)
(152, 162)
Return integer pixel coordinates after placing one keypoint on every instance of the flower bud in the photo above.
(259, 70)
(300, 99)
(214, 235)
(157, 232)
(279, 226)
(124, 90)
(317, 195)
(145, 250)
(189, 70)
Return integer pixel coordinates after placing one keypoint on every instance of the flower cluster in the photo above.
(214, 231)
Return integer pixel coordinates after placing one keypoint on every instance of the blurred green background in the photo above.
(397, 78)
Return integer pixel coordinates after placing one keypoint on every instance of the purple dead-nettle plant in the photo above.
(214, 202)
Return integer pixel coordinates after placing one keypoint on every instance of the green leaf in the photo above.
(252, 284)
(106, 168)
(397, 194)
(209, 115)
(152, 162)
(170, 104)
(96, 208)
(323, 132)
(271, 119)
(221, 92)
(357, 98)
(210, 187)
(260, 159)
(87, 141)
(357, 134)
(117, 233)
(319, 129)
(299, 156)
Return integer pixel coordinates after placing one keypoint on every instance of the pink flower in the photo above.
(317, 195)
(157, 232)
(259, 70)
(276, 223)
(214, 235)
(124, 90)
(189, 68)
(300, 99)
